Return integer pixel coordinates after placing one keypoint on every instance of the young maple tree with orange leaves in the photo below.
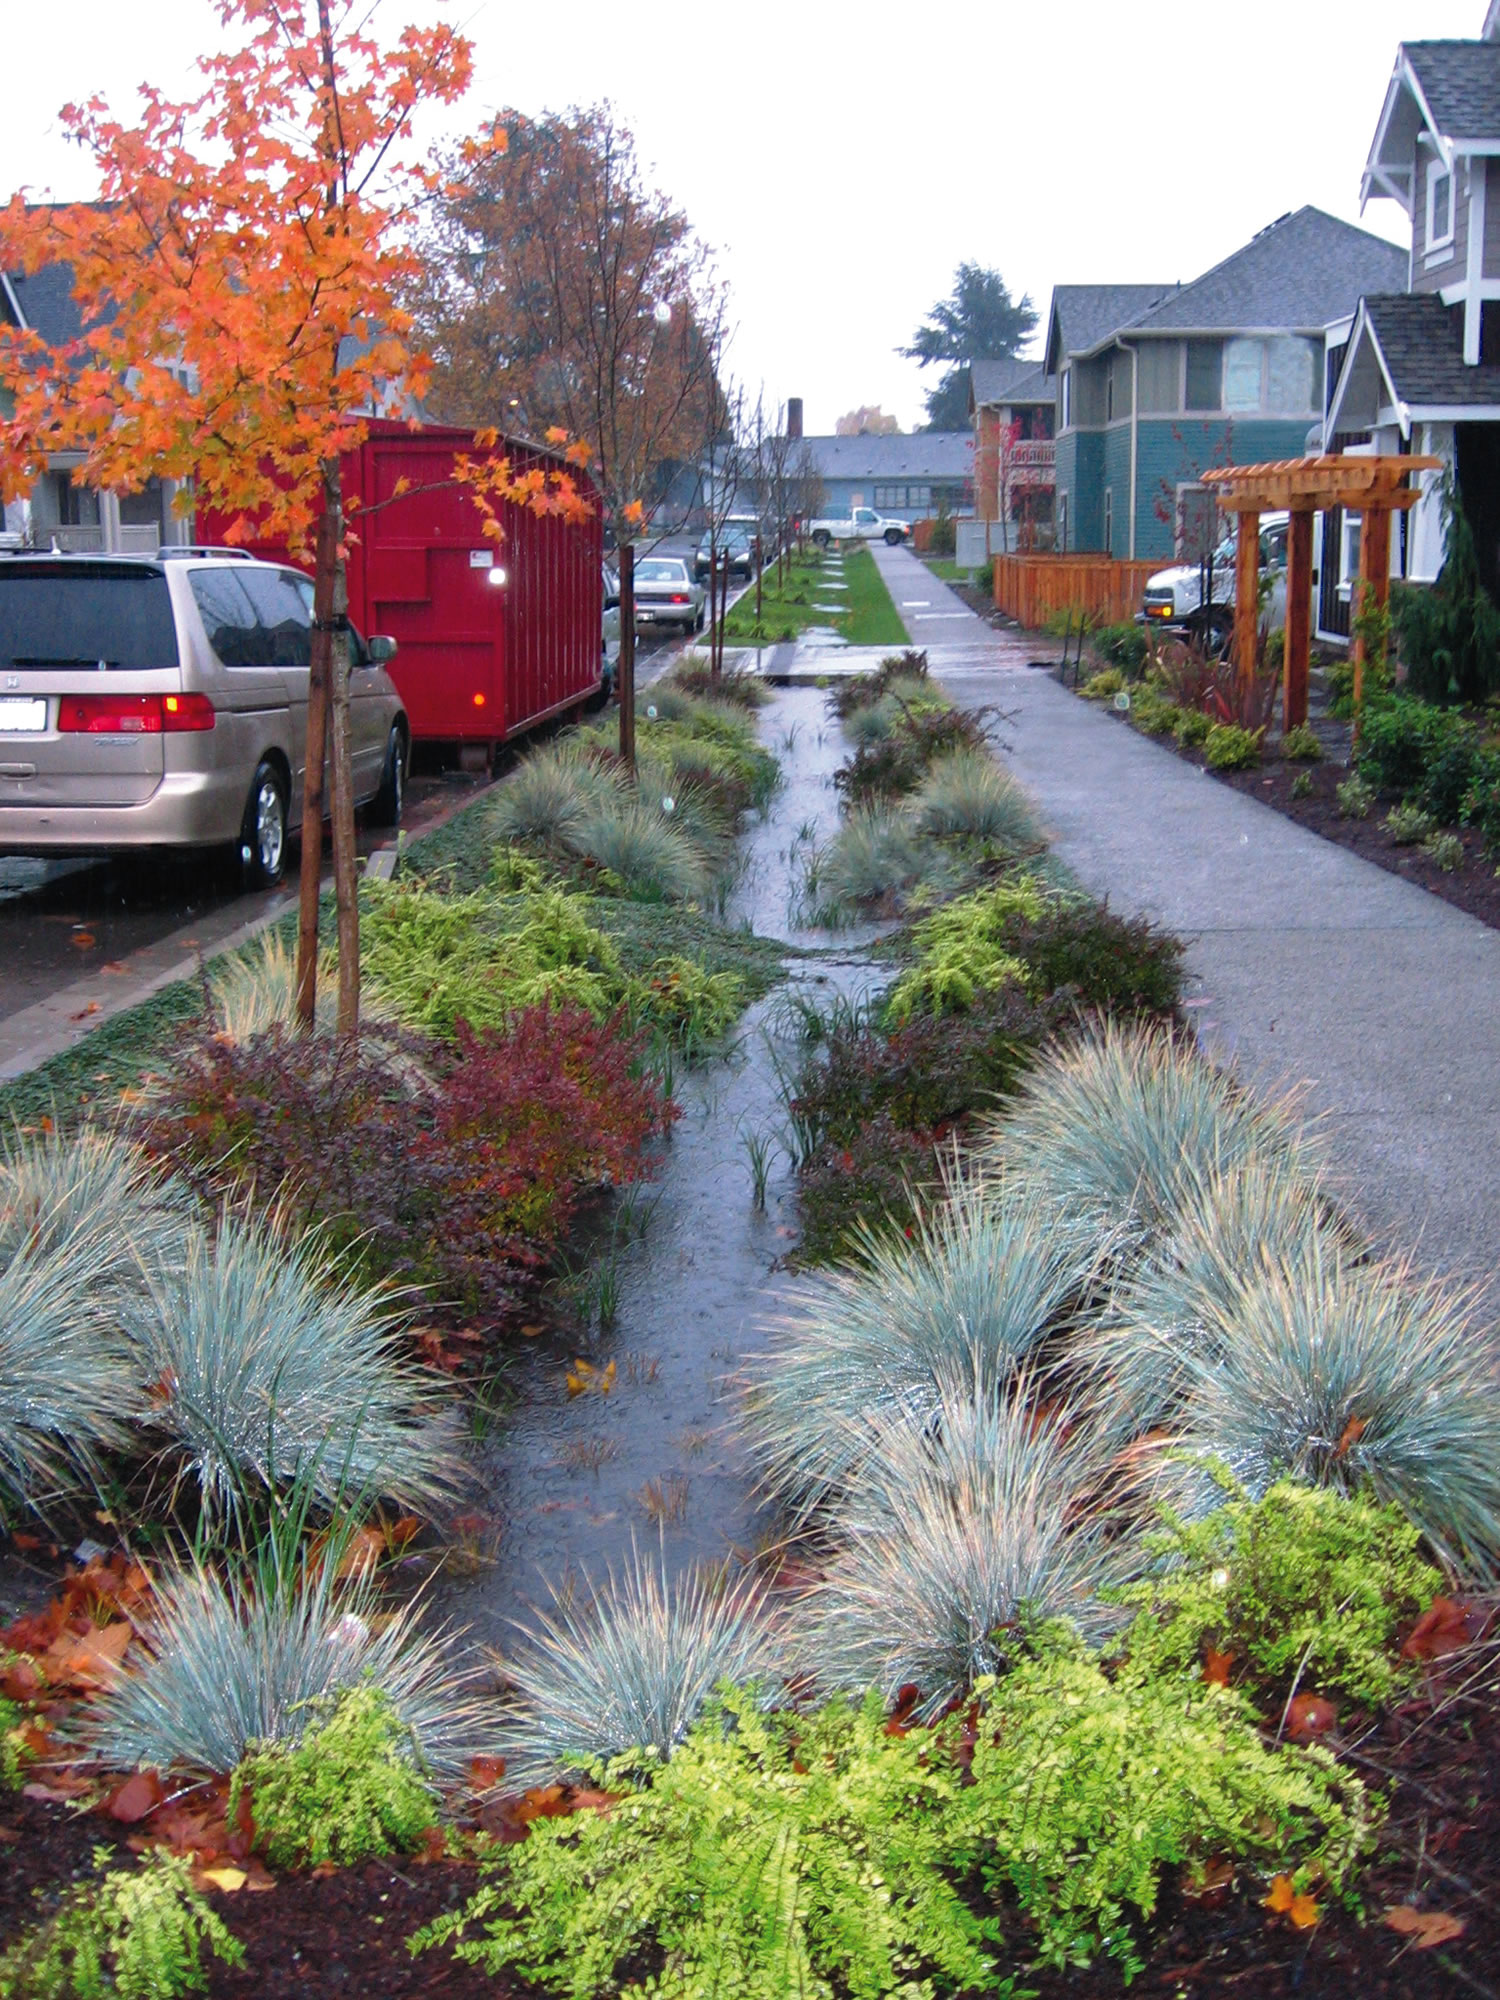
(240, 283)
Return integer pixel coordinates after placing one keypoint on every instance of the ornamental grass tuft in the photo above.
(1355, 1377)
(245, 1658)
(966, 795)
(268, 1367)
(1109, 1129)
(636, 842)
(632, 1667)
(968, 1294)
(876, 854)
(968, 1523)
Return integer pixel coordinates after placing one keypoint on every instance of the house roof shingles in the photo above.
(1304, 271)
(1423, 344)
(47, 303)
(917, 455)
(1015, 381)
(1084, 315)
(1461, 83)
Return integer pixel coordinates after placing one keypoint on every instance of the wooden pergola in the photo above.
(1374, 488)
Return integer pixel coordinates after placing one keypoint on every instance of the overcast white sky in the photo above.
(841, 160)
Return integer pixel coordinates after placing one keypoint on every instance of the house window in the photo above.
(1109, 520)
(1439, 207)
(1109, 392)
(1244, 363)
(1205, 364)
(1067, 398)
(1161, 377)
(891, 496)
(919, 496)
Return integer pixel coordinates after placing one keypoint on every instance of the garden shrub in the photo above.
(1449, 631)
(886, 771)
(1300, 745)
(1407, 825)
(865, 690)
(1302, 785)
(1125, 646)
(1401, 738)
(1103, 686)
(460, 1181)
(1446, 849)
(984, 577)
(137, 1934)
(1080, 949)
(1151, 713)
(1305, 1586)
(1480, 806)
(925, 1075)
(696, 677)
(1191, 727)
(1460, 766)
(747, 1863)
(1356, 797)
(13, 1752)
(959, 951)
(351, 1788)
(868, 1181)
(1227, 747)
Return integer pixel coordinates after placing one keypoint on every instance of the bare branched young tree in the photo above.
(807, 493)
(725, 467)
(775, 457)
(562, 289)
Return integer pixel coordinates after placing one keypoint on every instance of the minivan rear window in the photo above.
(85, 618)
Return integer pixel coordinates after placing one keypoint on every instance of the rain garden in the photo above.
(770, 1427)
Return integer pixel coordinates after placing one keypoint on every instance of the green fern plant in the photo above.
(350, 1788)
(13, 1754)
(790, 1854)
(1305, 1585)
(960, 951)
(136, 1935)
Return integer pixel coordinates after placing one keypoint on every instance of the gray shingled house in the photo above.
(905, 476)
(1417, 367)
(1158, 383)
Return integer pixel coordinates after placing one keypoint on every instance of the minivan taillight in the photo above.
(133, 714)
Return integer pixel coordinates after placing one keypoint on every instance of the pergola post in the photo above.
(1373, 589)
(1246, 604)
(1299, 544)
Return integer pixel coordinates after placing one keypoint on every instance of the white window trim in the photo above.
(1067, 399)
(1439, 249)
(1109, 520)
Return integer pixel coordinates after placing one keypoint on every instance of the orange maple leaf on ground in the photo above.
(1425, 1928)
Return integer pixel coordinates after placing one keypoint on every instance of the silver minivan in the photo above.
(162, 703)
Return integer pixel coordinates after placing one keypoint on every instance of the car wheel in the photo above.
(263, 829)
(385, 808)
(894, 538)
(701, 619)
(822, 538)
(1213, 633)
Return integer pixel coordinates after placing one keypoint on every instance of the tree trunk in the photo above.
(324, 575)
(345, 869)
(627, 655)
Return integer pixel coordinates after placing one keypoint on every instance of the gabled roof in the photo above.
(921, 455)
(1083, 316)
(1010, 382)
(46, 302)
(1299, 273)
(1406, 353)
(1450, 91)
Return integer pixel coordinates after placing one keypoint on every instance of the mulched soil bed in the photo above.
(345, 1933)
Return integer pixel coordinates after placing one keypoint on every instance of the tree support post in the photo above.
(627, 656)
(1247, 608)
(1298, 619)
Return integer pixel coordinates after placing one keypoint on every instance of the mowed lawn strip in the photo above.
(872, 618)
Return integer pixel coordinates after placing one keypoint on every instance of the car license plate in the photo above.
(22, 716)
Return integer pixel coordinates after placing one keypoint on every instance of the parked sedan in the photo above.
(735, 545)
(665, 594)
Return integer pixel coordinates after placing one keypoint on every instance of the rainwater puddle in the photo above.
(651, 1450)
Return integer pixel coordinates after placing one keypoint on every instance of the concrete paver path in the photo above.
(1311, 965)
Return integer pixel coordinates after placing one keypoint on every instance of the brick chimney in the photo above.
(794, 418)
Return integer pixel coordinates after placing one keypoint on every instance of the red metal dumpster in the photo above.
(480, 659)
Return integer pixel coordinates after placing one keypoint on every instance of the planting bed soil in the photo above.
(1474, 887)
(345, 1932)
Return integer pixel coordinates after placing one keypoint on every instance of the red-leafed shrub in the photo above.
(454, 1166)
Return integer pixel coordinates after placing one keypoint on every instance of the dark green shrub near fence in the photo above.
(1402, 739)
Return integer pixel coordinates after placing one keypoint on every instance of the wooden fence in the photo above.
(1031, 589)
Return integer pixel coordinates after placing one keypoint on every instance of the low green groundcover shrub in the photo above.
(1306, 1587)
(1125, 645)
(875, 1178)
(1227, 747)
(137, 1934)
(1300, 745)
(815, 1853)
(1401, 738)
(350, 1788)
(1103, 686)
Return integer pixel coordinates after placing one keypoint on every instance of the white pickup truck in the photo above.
(1174, 597)
(860, 524)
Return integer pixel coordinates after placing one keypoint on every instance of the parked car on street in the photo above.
(609, 641)
(1174, 597)
(666, 594)
(162, 703)
(860, 524)
(737, 544)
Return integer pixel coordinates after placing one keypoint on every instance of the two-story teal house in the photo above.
(1159, 383)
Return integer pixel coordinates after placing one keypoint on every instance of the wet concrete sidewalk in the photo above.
(1309, 965)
